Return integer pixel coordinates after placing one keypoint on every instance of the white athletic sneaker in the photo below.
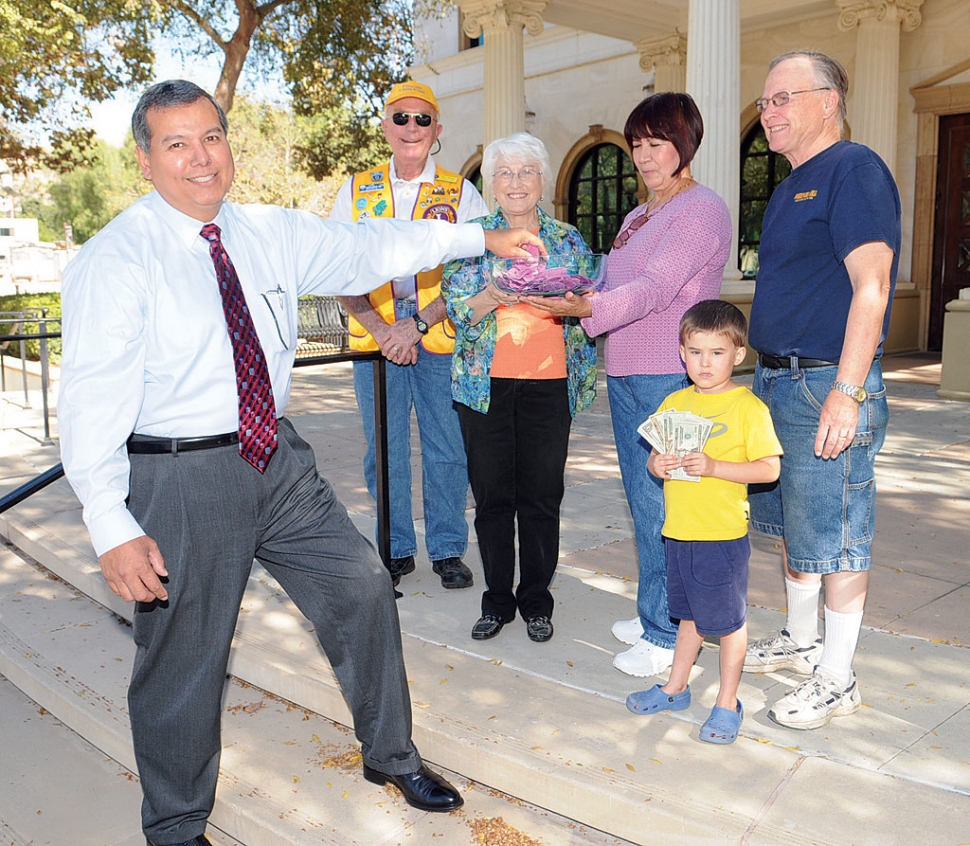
(644, 659)
(815, 701)
(778, 651)
(628, 631)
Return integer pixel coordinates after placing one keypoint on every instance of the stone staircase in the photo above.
(536, 735)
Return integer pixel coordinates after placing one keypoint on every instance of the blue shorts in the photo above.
(707, 582)
(825, 509)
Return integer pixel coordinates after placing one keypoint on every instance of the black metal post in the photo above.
(380, 448)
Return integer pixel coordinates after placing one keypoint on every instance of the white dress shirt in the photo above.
(145, 347)
(405, 191)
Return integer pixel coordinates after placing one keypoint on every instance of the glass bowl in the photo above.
(548, 276)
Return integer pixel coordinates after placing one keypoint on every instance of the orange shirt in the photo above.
(529, 344)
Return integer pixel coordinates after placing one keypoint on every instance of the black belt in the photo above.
(147, 445)
(793, 362)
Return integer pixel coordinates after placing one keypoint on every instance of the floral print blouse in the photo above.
(475, 344)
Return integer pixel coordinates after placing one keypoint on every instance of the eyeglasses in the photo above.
(527, 174)
(621, 240)
(402, 118)
(782, 98)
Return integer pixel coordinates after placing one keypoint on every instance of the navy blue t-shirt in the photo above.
(838, 200)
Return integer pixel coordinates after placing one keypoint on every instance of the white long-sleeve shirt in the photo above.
(145, 347)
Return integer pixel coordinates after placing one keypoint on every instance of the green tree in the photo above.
(56, 56)
(341, 140)
(333, 52)
(89, 195)
(269, 144)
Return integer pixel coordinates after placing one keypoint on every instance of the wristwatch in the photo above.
(857, 392)
(422, 324)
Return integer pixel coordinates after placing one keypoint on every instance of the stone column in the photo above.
(502, 22)
(713, 80)
(875, 88)
(667, 55)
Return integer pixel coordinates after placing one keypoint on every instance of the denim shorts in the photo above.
(825, 509)
(707, 582)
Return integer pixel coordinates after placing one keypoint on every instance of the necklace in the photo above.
(623, 238)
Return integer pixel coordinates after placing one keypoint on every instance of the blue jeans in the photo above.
(425, 387)
(632, 400)
(824, 508)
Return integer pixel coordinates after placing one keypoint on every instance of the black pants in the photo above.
(516, 460)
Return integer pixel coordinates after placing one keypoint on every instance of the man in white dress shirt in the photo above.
(406, 320)
(150, 437)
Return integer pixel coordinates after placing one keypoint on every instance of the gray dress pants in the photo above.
(211, 514)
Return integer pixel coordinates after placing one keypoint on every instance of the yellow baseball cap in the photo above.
(412, 89)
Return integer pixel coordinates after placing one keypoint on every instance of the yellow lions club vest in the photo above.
(371, 196)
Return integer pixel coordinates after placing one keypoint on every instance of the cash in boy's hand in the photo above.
(677, 433)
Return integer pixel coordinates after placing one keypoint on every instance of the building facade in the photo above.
(570, 71)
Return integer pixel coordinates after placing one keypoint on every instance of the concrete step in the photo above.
(288, 775)
(56, 788)
(545, 722)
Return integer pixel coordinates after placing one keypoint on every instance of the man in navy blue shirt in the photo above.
(829, 256)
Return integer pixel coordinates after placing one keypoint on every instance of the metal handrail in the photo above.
(39, 316)
(380, 437)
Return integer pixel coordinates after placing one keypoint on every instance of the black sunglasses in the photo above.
(402, 118)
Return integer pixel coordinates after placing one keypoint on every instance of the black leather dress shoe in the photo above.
(487, 626)
(423, 789)
(454, 574)
(539, 629)
(201, 840)
(400, 567)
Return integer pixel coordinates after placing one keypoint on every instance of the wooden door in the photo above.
(951, 238)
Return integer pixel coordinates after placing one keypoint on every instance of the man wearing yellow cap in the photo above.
(406, 321)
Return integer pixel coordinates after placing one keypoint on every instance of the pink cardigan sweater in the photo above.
(673, 261)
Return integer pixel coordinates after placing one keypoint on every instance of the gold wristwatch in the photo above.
(857, 392)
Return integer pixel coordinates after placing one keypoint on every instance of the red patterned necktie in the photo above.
(257, 410)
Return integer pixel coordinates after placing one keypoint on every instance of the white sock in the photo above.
(802, 611)
(841, 637)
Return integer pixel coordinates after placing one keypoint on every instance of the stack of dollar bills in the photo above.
(676, 433)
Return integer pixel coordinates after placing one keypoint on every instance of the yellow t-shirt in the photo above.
(714, 509)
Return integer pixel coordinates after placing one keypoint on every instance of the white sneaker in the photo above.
(815, 701)
(644, 659)
(628, 631)
(778, 651)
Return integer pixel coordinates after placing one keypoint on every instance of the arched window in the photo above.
(761, 171)
(475, 177)
(603, 188)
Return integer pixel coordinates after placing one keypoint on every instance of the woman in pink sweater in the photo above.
(669, 254)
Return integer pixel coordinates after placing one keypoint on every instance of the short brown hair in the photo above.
(669, 116)
(716, 316)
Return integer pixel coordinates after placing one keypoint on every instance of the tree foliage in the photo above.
(89, 195)
(270, 146)
(55, 57)
(332, 52)
(338, 58)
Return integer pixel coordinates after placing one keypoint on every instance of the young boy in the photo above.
(706, 530)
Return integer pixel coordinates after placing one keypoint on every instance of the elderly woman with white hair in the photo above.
(519, 375)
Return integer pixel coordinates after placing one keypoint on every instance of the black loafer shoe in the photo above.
(201, 840)
(423, 789)
(539, 629)
(487, 626)
(400, 567)
(454, 574)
